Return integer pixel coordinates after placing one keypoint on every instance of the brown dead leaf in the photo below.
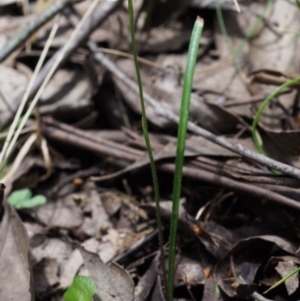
(12, 84)
(209, 293)
(51, 248)
(112, 282)
(284, 268)
(287, 140)
(16, 281)
(166, 90)
(158, 294)
(248, 255)
(67, 96)
(45, 275)
(270, 276)
(189, 272)
(147, 281)
(270, 48)
(63, 213)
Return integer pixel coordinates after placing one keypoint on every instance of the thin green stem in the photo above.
(181, 137)
(255, 135)
(285, 278)
(237, 50)
(148, 144)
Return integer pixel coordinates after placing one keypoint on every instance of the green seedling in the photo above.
(181, 138)
(82, 289)
(255, 134)
(182, 129)
(22, 199)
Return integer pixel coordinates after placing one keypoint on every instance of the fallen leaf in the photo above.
(112, 282)
(284, 268)
(248, 255)
(45, 275)
(63, 213)
(16, 281)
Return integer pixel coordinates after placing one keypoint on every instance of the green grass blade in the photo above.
(182, 129)
(255, 135)
(292, 273)
(147, 141)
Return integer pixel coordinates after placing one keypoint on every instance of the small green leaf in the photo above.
(19, 196)
(82, 289)
(33, 202)
(21, 199)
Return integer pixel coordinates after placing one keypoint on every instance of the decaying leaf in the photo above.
(147, 281)
(211, 292)
(69, 91)
(63, 214)
(16, 281)
(112, 282)
(245, 258)
(164, 87)
(284, 268)
(12, 82)
(45, 275)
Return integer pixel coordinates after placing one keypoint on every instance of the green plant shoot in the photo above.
(82, 289)
(181, 137)
(255, 135)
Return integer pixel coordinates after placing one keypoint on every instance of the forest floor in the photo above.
(79, 197)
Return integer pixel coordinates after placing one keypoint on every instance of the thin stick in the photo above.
(51, 72)
(130, 56)
(148, 144)
(237, 5)
(162, 111)
(25, 97)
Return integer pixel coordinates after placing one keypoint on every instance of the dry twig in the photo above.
(161, 111)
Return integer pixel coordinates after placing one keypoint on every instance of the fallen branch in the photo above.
(228, 183)
(103, 147)
(161, 111)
